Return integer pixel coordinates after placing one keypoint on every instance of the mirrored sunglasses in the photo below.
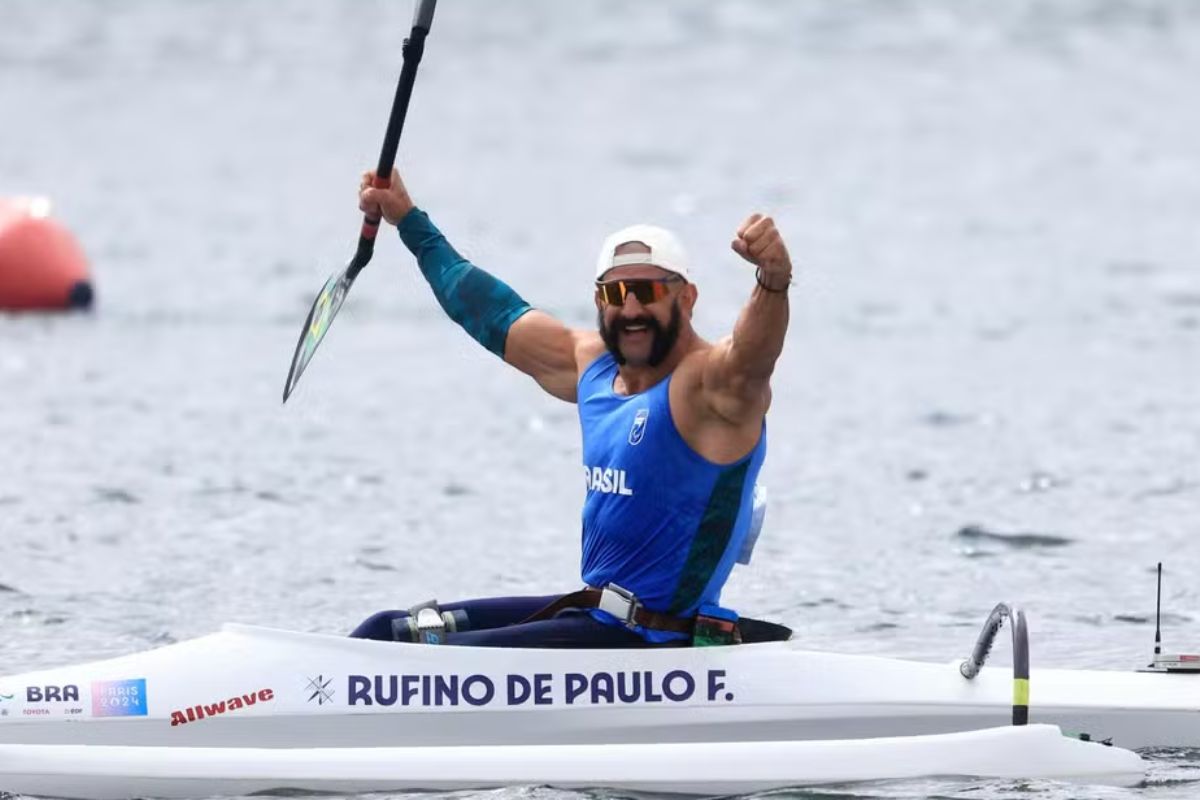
(646, 290)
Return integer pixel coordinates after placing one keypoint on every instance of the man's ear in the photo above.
(690, 295)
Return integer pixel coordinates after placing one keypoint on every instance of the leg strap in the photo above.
(426, 623)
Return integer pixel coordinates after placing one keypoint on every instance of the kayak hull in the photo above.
(108, 773)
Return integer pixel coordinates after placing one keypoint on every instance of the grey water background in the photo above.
(990, 391)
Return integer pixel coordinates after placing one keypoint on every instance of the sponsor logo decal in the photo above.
(606, 480)
(49, 700)
(123, 698)
(542, 689)
(52, 694)
(639, 426)
(197, 713)
(318, 689)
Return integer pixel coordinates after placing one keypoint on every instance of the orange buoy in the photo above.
(41, 265)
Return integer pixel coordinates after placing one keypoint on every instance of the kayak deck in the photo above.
(261, 688)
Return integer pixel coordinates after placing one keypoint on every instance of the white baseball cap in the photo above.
(665, 251)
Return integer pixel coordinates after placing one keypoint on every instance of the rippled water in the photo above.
(990, 389)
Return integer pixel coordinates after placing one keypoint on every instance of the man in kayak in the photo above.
(673, 427)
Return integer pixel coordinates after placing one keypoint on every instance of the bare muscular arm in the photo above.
(737, 371)
(551, 353)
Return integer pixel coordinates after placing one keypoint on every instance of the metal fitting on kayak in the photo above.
(1020, 635)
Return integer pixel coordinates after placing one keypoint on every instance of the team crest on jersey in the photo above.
(639, 426)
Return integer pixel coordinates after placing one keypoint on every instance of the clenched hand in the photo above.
(759, 242)
(391, 202)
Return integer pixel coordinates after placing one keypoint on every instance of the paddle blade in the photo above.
(320, 317)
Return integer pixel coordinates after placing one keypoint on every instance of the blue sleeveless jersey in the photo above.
(660, 519)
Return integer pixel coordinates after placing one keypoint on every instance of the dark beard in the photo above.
(664, 338)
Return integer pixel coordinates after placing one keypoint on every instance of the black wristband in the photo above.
(759, 280)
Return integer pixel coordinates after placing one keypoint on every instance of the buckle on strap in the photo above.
(428, 619)
(619, 602)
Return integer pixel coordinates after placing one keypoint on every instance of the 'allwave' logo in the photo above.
(197, 713)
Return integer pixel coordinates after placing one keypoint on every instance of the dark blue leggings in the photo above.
(496, 622)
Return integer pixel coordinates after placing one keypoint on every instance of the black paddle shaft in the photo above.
(413, 49)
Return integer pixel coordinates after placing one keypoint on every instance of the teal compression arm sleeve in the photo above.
(483, 305)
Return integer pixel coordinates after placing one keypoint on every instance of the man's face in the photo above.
(642, 334)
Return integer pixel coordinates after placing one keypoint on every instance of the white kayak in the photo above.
(257, 687)
(320, 712)
(108, 773)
